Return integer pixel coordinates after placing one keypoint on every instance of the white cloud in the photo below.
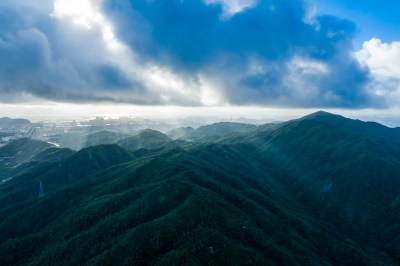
(86, 13)
(383, 60)
(308, 66)
(232, 7)
(91, 50)
(310, 11)
(301, 74)
(161, 83)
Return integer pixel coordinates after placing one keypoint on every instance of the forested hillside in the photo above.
(320, 190)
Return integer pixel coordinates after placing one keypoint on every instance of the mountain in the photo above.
(347, 176)
(370, 129)
(311, 191)
(80, 140)
(209, 205)
(53, 153)
(148, 139)
(5, 121)
(24, 153)
(181, 132)
(210, 132)
(94, 159)
(20, 151)
(104, 137)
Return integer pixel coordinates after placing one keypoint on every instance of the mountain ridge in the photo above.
(13, 121)
(371, 129)
(307, 191)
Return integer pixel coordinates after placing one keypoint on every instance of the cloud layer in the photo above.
(383, 59)
(173, 52)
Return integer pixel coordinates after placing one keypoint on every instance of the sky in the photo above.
(87, 56)
(374, 19)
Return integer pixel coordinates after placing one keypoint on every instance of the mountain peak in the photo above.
(321, 114)
(369, 129)
(148, 138)
(93, 159)
(152, 132)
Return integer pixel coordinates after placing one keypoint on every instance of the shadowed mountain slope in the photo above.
(369, 129)
(18, 152)
(208, 205)
(93, 159)
(53, 154)
(348, 177)
(21, 150)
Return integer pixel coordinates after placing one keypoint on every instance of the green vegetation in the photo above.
(210, 132)
(104, 137)
(24, 154)
(21, 150)
(148, 139)
(18, 152)
(312, 191)
(53, 154)
(181, 133)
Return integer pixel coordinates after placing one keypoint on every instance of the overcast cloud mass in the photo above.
(190, 53)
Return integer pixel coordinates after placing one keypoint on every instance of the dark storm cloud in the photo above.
(267, 54)
(41, 57)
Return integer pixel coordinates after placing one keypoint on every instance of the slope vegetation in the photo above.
(312, 191)
(211, 205)
(148, 139)
(347, 176)
(210, 132)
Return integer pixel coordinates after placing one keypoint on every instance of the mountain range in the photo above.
(319, 190)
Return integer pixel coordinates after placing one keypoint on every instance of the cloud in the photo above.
(231, 7)
(49, 58)
(173, 52)
(249, 56)
(383, 59)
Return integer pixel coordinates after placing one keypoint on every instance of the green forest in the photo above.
(319, 190)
